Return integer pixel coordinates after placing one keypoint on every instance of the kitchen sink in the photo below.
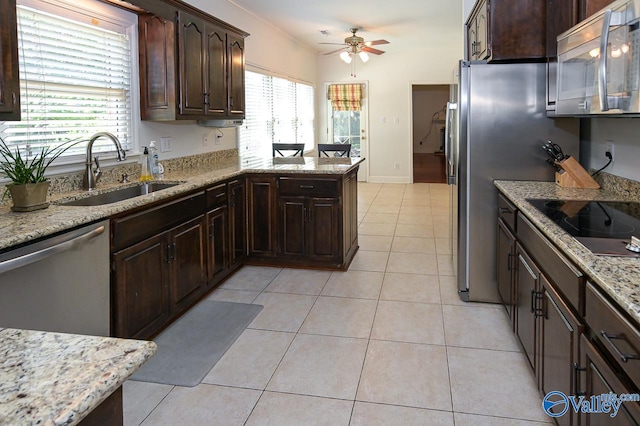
(119, 194)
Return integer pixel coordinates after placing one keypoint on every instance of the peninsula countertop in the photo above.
(20, 228)
(619, 277)
(57, 379)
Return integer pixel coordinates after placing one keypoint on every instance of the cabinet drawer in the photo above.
(217, 195)
(313, 187)
(618, 336)
(566, 277)
(138, 226)
(507, 212)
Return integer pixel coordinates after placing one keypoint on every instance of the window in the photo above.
(278, 110)
(75, 76)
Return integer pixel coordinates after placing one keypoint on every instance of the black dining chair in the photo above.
(279, 147)
(341, 149)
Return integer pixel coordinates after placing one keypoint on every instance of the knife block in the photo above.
(573, 175)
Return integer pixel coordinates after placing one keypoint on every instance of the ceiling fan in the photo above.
(356, 45)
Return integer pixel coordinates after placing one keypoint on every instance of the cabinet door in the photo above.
(191, 42)
(217, 254)
(141, 277)
(236, 76)
(505, 266)
(482, 32)
(323, 232)
(589, 7)
(9, 77)
(216, 93)
(187, 256)
(293, 219)
(559, 347)
(601, 379)
(262, 216)
(237, 222)
(527, 284)
(156, 45)
(561, 15)
(472, 39)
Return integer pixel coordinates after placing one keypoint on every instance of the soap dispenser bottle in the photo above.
(154, 163)
(145, 173)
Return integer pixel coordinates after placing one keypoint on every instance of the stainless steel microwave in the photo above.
(599, 63)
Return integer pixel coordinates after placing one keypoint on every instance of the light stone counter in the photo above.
(19, 228)
(619, 277)
(57, 379)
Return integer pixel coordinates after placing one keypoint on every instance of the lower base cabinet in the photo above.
(158, 278)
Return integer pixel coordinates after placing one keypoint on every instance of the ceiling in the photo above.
(404, 23)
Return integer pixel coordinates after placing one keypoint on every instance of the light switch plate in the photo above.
(165, 144)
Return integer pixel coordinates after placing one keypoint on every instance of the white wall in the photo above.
(390, 77)
(266, 47)
(595, 132)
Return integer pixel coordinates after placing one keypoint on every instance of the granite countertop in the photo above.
(20, 228)
(57, 379)
(619, 277)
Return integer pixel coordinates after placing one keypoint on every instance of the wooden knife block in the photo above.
(573, 175)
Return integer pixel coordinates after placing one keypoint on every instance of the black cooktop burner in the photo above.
(593, 222)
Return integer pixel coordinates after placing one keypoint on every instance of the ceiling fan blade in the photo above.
(335, 51)
(372, 50)
(375, 42)
(337, 44)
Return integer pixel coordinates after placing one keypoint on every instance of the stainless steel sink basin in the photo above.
(118, 194)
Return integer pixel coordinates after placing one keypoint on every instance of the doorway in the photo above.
(429, 104)
(347, 120)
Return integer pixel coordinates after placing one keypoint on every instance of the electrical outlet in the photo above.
(397, 166)
(396, 120)
(205, 140)
(165, 144)
(610, 148)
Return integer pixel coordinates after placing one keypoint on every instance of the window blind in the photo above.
(75, 81)
(278, 110)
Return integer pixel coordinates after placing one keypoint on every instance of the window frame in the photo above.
(294, 123)
(110, 17)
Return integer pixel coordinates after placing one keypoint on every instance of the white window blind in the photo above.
(75, 80)
(278, 110)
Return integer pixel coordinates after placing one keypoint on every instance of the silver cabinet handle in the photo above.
(608, 19)
(29, 258)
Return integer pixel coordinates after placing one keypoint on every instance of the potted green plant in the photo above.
(29, 186)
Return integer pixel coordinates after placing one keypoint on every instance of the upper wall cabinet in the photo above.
(564, 14)
(191, 68)
(9, 78)
(506, 30)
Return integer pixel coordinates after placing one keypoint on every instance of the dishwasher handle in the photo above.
(38, 255)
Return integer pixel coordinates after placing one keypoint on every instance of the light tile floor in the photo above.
(388, 342)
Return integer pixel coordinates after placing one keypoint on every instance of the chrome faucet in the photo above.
(91, 177)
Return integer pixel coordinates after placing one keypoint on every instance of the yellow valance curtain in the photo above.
(345, 97)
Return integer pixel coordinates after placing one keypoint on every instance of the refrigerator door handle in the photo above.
(451, 167)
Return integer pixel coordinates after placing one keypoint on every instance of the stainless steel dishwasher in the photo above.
(60, 283)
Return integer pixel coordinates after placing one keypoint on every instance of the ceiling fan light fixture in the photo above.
(364, 57)
(346, 57)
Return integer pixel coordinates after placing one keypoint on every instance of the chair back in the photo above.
(279, 147)
(342, 149)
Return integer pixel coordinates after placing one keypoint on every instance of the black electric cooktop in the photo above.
(604, 227)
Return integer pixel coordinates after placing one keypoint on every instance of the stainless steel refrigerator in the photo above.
(496, 126)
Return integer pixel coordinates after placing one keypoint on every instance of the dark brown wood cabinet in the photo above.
(262, 210)
(527, 304)
(190, 69)
(218, 255)
(505, 268)
(187, 266)
(237, 222)
(559, 346)
(140, 288)
(309, 228)
(506, 30)
(349, 219)
(9, 77)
